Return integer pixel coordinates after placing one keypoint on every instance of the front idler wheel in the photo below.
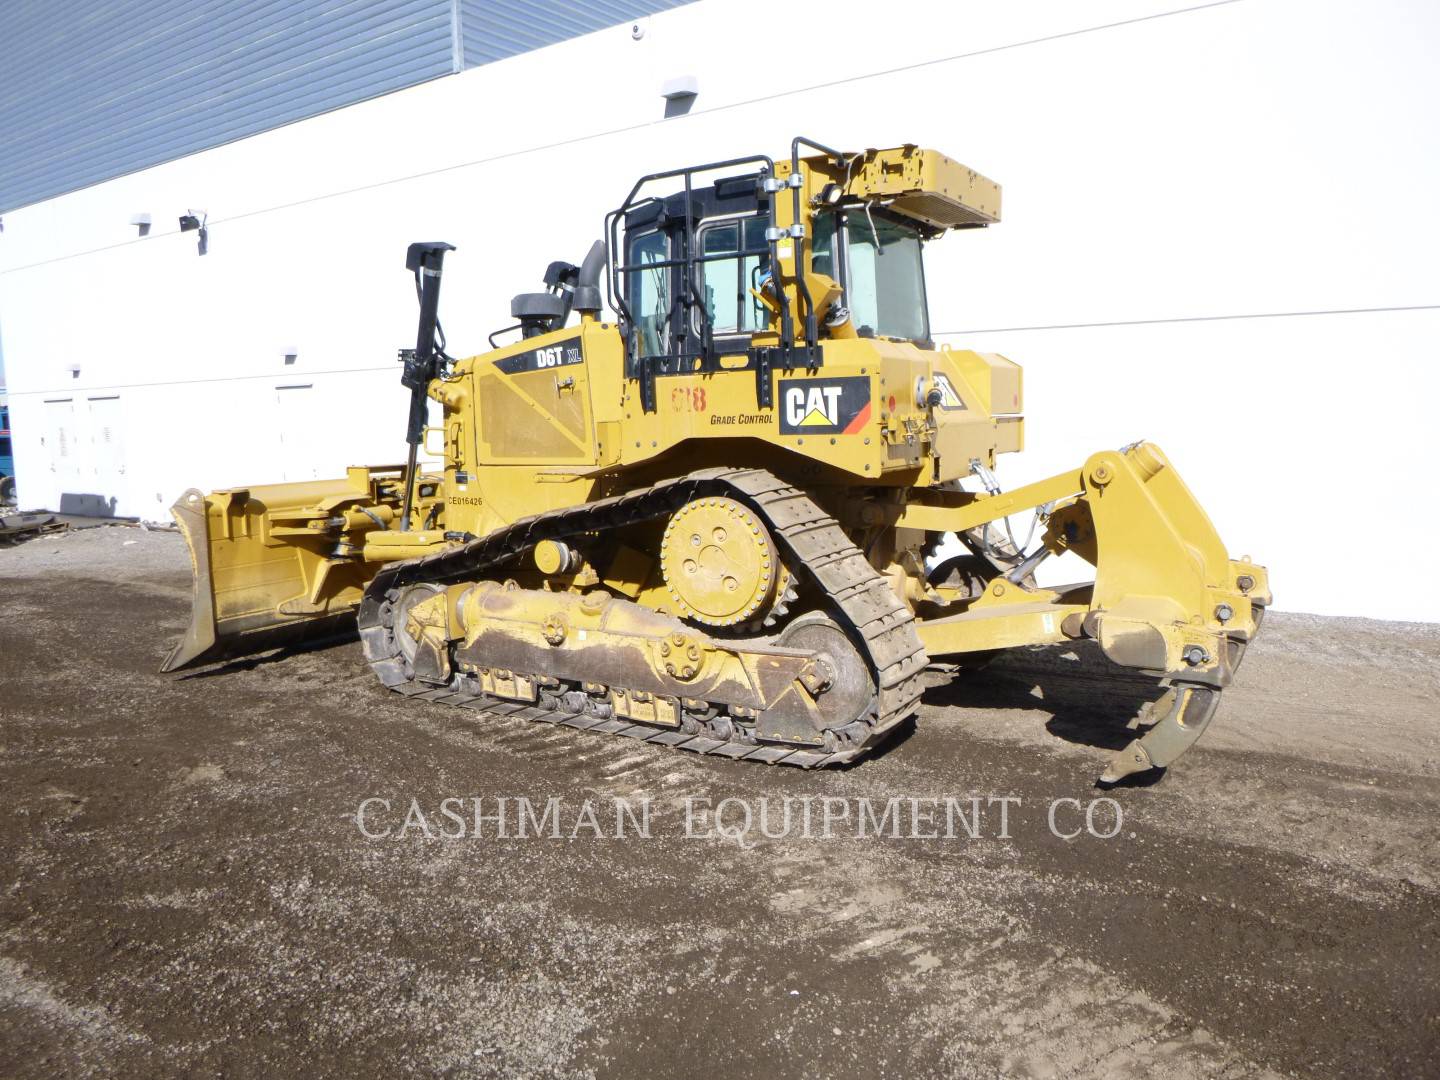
(845, 687)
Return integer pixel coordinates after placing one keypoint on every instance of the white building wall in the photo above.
(1254, 158)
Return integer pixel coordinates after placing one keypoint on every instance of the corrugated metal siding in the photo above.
(495, 29)
(92, 89)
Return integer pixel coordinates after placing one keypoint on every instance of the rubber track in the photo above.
(814, 540)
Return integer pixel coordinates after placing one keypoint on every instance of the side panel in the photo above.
(534, 403)
(521, 426)
(865, 411)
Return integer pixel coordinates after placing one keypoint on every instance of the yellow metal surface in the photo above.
(1166, 597)
(719, 563)
(879, 432)
(619, 644)
(1037, 618)
(551, 557)
(270, 558)
(918, 183)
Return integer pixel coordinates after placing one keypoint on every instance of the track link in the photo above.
(856, 593)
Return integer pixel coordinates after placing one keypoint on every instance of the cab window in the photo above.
(886, 283)
(648, 291)
(882, 273)
(726, 282)
(822, 250)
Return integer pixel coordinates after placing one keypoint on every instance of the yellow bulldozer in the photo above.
(707, 512)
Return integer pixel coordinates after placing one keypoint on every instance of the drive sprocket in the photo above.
(719, 562)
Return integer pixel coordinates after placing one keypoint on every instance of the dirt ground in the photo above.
(185, 890)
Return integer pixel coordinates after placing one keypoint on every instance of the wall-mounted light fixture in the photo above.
(679, 94)
(141, 221)
(195, 219)
(74, 370)
(291, 354)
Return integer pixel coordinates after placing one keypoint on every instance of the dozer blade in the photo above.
(273, 565)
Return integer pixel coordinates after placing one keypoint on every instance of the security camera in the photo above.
(196, 219)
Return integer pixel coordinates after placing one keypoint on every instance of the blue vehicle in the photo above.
(7, 461)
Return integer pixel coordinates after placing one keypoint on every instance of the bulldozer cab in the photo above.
(692, 265)
(753, 262)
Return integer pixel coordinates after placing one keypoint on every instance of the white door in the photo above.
(297, 419)
(106, 466)
(62, 454)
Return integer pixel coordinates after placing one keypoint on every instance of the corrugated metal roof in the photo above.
(93, 89)
(495, 29)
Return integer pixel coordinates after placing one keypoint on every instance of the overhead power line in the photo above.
(1189, 319)
(544, 147)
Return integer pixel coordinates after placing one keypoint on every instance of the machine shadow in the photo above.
(272, 656)
(1089, 700)
(893, 739)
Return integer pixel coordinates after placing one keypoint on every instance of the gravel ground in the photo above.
(185, 890)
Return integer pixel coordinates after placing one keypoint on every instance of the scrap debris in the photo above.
(17, 527)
